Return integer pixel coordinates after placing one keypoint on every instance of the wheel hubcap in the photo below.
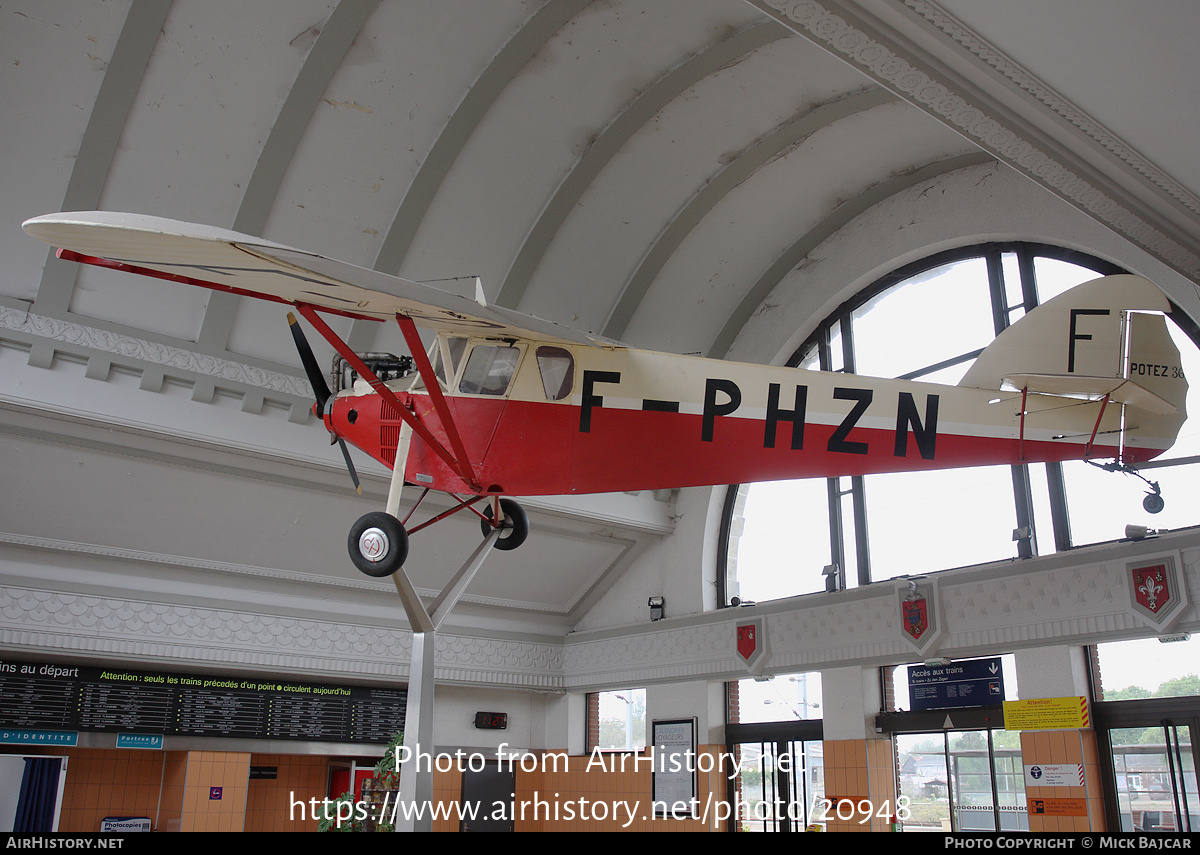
(373, 545)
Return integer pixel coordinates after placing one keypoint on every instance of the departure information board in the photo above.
(52, 696)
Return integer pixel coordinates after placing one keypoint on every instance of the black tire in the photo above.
(1153, 503)
(378, 544)
(515, 527)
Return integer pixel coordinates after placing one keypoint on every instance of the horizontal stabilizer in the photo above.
(1092, 389)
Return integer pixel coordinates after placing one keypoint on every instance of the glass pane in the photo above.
(755, 791)
(971, 781)
(1148, 668)
(1054, 276)
(1043, 522)
(1010, 780)
(489, 370)
(923, 521)
(849, 533)
(907, 328)
(446, 360)
(811, 773)
(784, 541)
(780, 785)
(1013, 294)
(623, 719)
(558, 371)
(1156, 779)
(787, 697)
(924, 781)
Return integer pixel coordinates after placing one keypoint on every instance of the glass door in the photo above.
(1154, 771)
(924, 780)
(962, 781)
(778, 784)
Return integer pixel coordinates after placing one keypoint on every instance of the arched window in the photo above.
(929, 321)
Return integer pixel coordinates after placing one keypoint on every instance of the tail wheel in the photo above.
(515, 527)
(378, 544)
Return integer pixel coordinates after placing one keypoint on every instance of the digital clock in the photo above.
(491, 720)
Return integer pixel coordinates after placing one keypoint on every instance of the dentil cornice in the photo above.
(985, 124)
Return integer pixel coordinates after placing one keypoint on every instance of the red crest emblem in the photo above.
(747, 640)
(915, 618)
(1151, 587)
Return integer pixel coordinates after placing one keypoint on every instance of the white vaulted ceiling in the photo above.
(650, 170)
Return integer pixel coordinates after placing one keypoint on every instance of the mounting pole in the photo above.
(416, 778)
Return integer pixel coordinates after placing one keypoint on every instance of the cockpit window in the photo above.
(446, 356)
(489, 369)
(558, 371)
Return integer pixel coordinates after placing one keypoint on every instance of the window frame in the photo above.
(833, 343)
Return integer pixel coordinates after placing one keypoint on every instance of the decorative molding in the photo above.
(944, 101)
(85, 339)
(987, 53)
(1068, 598)
(60, 623)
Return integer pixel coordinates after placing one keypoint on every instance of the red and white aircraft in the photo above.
(505, 404)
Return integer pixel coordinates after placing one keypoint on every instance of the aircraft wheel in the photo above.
(515, 527)
(1153, 503)
(378, 544)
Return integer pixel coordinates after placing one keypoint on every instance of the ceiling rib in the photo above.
(618, 132)
(122, 79)
(513, 57)
(813, 238)
(790, 133)
(322, 62)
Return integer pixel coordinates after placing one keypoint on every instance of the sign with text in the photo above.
(1057, 807)
(1047, 714)
(1054, 775)
(969, 683)
(46, 702)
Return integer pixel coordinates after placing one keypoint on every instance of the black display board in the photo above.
(52, 696)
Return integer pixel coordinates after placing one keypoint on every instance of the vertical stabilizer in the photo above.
(1105, 341)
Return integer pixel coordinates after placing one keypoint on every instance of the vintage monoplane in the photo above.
(504, 404)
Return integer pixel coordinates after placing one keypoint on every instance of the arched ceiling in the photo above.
(645, 169)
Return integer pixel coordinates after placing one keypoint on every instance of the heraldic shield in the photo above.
(917, 610)
(1156, 591)
(751, 645)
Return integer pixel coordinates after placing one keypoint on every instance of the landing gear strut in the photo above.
(378, 542)
(1153, 503)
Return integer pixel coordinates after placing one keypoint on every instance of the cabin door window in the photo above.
(489, 370)
(557, 368)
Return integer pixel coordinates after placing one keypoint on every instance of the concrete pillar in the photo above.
(1057, 672)
(860, 775)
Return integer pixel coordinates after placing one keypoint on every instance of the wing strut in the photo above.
(434, 388)
(461, 466)
(1087, 451)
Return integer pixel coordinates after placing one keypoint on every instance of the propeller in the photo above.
(320, 389)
